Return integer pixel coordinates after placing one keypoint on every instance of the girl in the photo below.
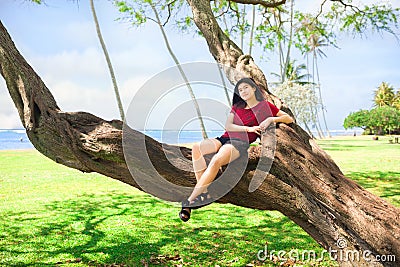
(250, 115)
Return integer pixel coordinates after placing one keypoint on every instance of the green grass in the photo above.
(51, 215)
(375, 165)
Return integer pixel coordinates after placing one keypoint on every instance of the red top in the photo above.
(250, 117)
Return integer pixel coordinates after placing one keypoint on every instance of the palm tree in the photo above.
(385, 95)
(315, 43)
(290, 41)
(103, 45)
(196, 104)
(294, 73)
(221, 74)
(396, 101)
(253, 20)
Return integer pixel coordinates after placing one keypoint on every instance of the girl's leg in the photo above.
(205, 147)
(225, 155)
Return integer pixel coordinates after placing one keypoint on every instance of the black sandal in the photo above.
(204, 196)
(202, 200)
(184, 214)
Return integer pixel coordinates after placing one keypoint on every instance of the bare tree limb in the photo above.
(266, 4)
(353, 7)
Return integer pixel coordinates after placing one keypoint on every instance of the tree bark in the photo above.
(303, 183)
(326, 203)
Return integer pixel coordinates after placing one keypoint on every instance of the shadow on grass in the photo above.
(99, 230)
(78, 229)
(387, 183)
(339, 147)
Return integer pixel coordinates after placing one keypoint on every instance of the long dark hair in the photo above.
(238, 101)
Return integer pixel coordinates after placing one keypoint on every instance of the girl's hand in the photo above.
(254, 129)
(265, 124)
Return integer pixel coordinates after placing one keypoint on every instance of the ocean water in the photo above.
(181, 137)
(14, 139)
(17, 138)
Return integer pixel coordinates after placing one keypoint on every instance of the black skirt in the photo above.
(240, 145)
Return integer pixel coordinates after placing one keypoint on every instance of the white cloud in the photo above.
(10, 121)
(66, 54)
(80, 33)
(71, 64)
(9, 118)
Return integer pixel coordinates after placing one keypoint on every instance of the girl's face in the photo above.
(246, 92)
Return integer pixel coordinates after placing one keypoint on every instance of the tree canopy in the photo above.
(380, 120)
(383, 118)
(275, 26)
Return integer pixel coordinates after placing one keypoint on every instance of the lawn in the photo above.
(51, 215)
(375, 165)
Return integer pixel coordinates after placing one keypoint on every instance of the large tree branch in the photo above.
(266, 4)
(304, 183)
(224, 50)
(325, 188)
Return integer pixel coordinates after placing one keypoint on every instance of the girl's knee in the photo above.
(216, 161)
(196, 148)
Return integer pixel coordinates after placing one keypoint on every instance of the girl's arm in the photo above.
(231, 127)
(281, 116)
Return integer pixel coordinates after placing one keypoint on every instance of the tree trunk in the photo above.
(108, 60)
(187, 83)
(303, 183)
(326, 204)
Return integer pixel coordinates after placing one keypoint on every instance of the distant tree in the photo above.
(396, 102)
(380, 120)
(315, 42)
(359, 119)
(298, 75)
(294, 73)
(385, 95)
(385, 119)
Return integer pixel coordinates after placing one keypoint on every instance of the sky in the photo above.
(59, 41)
